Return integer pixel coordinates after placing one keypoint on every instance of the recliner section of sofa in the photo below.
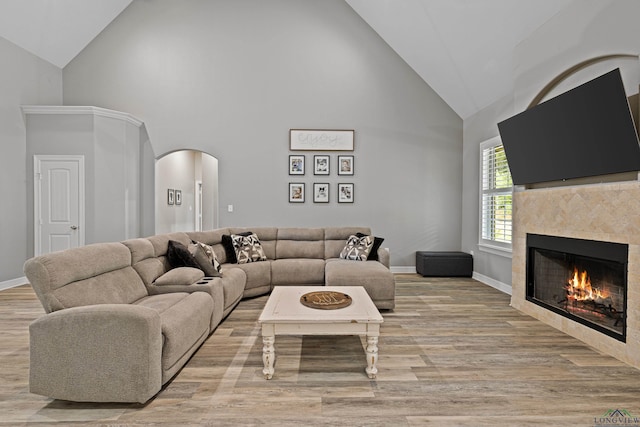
(105, 338)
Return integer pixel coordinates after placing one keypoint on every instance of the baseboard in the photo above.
(13, 283)
(403, 269)
(502, 287)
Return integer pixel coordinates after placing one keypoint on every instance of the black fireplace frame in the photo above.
(599, 250)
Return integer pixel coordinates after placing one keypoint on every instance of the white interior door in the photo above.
(58, 202)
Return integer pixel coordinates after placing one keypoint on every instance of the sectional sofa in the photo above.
(122, 318)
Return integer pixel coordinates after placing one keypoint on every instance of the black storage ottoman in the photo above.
(444, 264)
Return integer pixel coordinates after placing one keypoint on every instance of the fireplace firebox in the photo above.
(583, 280)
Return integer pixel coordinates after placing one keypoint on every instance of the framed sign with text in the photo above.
(321, 140)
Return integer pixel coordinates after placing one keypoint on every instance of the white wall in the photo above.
(586, 29)
(24, 79)
(230, 78)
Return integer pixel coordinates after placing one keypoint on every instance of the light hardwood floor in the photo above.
(452, 353)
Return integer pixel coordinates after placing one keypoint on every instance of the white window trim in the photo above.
(484, 245)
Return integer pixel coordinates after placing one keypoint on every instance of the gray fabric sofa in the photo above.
(120, 322)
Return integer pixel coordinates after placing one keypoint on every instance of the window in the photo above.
(496, 193)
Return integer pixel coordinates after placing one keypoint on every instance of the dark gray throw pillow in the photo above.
(179, 256)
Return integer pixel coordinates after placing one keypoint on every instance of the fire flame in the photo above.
(579, 288)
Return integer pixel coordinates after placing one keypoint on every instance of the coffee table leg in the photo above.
(268, 355)
(372, 356)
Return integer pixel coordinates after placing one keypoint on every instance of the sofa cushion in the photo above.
(99, 273)
(374, 277)
(258, 277)
(357, 248)
(160, 242)
(297, 271)
(185, 320)
(180, 276)
(300, 243)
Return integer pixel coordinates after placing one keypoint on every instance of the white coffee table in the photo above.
(284, 314)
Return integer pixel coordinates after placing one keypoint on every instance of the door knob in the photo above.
(74, 227)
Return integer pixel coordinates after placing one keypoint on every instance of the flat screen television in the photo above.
(587, 131)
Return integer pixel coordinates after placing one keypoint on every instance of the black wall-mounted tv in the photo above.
(587, 131)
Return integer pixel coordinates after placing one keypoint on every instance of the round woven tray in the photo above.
(326, 300)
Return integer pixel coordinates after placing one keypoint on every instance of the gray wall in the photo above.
(114, 152)
(179, 171)
(230, 78)
(586, 29)
(24, 80)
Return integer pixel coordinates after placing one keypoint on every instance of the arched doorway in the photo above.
(186, 191)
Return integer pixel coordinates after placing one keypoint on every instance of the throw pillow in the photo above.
(229, 249)
(206, 258)
(179, 256)
(248, 248)
(377, 241)
(357, 248)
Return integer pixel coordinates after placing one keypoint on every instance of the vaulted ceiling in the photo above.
(462, 48)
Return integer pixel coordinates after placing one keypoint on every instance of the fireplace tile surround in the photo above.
(608, 212)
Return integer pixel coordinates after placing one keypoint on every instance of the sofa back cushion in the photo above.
(335, 239)
(300, 243)
(144, 261)
(212, 238)
(100, 273)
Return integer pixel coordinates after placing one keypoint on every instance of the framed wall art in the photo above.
(345, 165)
(178, 197)
(321, 165)
(321, 140)
(296, 164)
(345, 193)
(320, 192)
(170, 196)
(296, 192)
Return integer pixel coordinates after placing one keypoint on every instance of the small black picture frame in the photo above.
(345, 192)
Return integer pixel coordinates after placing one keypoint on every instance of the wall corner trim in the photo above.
(79, 109)
(502, 287)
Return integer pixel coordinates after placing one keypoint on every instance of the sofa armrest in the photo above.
(384, 256)
(97, 353)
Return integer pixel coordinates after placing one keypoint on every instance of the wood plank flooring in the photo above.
(452, 353)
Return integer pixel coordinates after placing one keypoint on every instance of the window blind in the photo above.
(497, 189)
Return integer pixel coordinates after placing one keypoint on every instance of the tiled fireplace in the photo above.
(576, 263)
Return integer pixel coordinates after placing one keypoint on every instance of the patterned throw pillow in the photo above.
(357, 248)
(377, 242)
(206, 258)
(248, 248)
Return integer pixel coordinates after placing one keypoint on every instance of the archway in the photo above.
(186, 183)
